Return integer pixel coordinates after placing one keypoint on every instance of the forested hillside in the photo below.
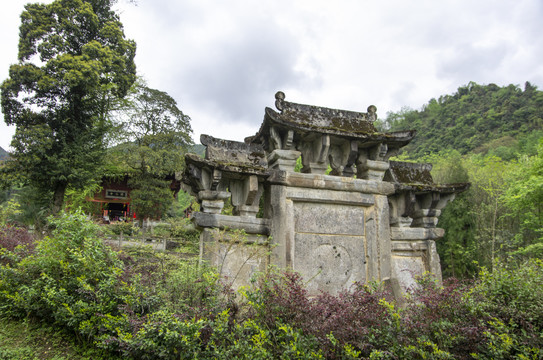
(477, 118)
(492, 137)
(3, 154)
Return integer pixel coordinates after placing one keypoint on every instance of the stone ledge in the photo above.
(405, 233)
(249, 224)
(329, 196)
(409, 246)
(330, 182)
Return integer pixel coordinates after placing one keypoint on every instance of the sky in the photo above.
(223, 61)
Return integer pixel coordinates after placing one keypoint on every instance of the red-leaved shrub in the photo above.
(15, 240)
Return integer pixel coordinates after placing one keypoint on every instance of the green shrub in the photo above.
(126, 228)
(186, 236)
(183, 229)
(161, 230)
(143, 304)
(23, 353)
(511, 296)
(70, 277)
(188, 285)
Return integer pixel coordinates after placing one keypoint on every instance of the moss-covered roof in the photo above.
(341, 123)
(416, 177)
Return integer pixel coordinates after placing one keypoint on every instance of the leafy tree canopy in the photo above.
(74, 60)
(153, 135)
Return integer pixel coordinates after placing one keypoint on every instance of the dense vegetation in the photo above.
(73, 62)
(145, 305)
(505, 121)
(492, 137)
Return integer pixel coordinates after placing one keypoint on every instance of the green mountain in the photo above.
(197, 149)
(477, 118)
(3, 154)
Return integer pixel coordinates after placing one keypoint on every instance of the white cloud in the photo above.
(224, 61)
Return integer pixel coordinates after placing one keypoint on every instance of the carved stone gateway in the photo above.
(368, 219)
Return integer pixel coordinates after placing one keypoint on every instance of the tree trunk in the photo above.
(494, 220)
(58, 198)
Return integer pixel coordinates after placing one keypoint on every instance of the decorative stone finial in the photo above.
(372, 113)
(279, 97)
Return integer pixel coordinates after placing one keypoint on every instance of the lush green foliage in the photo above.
(153, 135)
(499, 217)
(142, 304)
(73, 60)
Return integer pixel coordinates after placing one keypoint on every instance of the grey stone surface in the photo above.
(280, 211)
(383, 236)
(329, 196)
(329, 263)
(405, 233)
(372, 170)
(332, 219)
(236, 256)
(284, 160)
(434, 263)
(233, 152)
(407, 268)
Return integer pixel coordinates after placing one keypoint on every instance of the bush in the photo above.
(512, 297)
(183, 229)
(441, 316)
(189, 286)
(359, 320)
(15, 244)
(126, 228)
(70, 277)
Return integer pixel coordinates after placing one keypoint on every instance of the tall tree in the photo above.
(74, 60)
(155, 134)
(524, 199)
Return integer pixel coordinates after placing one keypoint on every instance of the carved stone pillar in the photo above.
(283, 159)
(428, 209)
(371, 169)
(342, 158)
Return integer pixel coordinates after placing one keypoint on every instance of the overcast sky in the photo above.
(223, 61)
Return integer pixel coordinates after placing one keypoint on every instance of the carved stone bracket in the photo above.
(425, 218)
(205, 178)
(213, 201)
(246, 196)
(371, 169)
(343, 157)
(427, 209)
(280, 141)
(371, 163)
(422, 210)
(315, 155)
